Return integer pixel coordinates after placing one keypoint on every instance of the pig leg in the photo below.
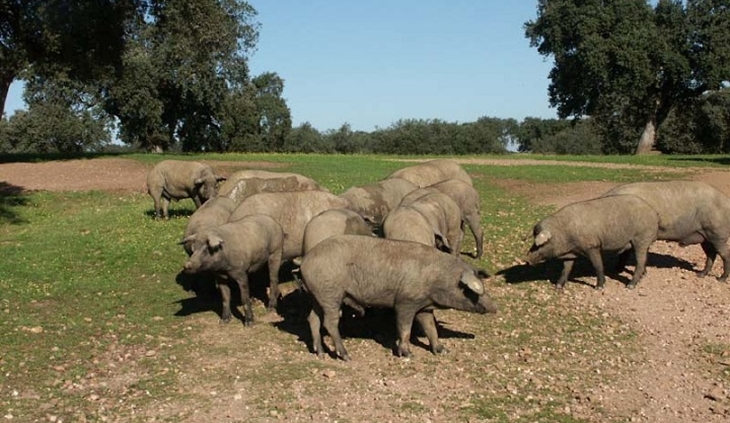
(717, 247)
(567, 267)
(404, 321)
(641, 252)
(427, 320)
(165, 207)
(225, 291)
(332, 323)
(725, 254)
(476, 229)
(274, 265)
(711, 253)
(594, 255)
(242, 280)
(315, 325)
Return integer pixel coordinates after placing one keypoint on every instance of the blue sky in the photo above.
(371, 63)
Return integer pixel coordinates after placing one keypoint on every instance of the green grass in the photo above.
(89, 294)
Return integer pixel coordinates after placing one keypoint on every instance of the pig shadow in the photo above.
(583, 269)
(207, 297)
(172, 213)
(377, 324)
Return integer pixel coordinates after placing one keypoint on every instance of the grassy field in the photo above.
(94, 326)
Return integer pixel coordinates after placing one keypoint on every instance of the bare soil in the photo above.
(675, 314)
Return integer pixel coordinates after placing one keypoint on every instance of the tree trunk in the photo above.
(4, 88)
(648, 138)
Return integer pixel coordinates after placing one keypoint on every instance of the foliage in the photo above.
(629, 65)
(58, 120)
(81, 38)
(700, 126)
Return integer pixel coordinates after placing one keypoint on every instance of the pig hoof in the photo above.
(599, 287)
(439, 349)
(345, 357)
(631, 286)
(225, 320)
(248, 323)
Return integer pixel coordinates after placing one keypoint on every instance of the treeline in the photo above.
(702, 126)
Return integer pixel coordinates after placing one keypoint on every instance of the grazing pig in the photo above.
(235, 249)
(441, 212)
(467, 198)
(431, 172)
(293, 210)
(213, 212)
(333, 222)
(177, 179)
(406, 223)
(587, 228)
(376, 272)
(375, 201)
(690, 212)
(244, 183)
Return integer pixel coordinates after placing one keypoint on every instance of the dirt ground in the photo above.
(673, 311)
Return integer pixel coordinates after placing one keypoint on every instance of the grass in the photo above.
(94, 324)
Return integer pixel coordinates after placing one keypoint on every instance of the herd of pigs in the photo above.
(396, 243)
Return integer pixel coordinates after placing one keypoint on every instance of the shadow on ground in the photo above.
(583, 272)
(11, 197)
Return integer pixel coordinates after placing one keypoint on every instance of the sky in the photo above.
(372, 63)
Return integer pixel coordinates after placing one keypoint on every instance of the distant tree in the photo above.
(274, 116)
(701, 125)
(628, 64)
(184, 59)
(306, 139)
(532, 130)
(581, 137)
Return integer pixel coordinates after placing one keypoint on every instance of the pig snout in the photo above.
(487, 305)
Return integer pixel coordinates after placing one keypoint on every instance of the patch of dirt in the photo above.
(105, 174)
(675, 314)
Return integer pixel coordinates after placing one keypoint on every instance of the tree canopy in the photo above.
(628, 64)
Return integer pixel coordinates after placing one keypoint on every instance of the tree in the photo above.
(628, 64)
(59, 119)
(184, 68)
(84, 39)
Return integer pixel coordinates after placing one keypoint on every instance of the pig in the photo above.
(616, 223)
(467, 198)
(431, 172)
(177, 179)
(421, 218)
(374, 201)
(690, 212)
(232, 251)
(333, 222)
(244, 183)
(374, 272)
(213, 212)
(441, 212)
(292, 210)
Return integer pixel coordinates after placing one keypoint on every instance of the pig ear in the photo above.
(471, 281)
(198, 182)
(440, 238)
(189, 238)
(215, 242)
(542, 238)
